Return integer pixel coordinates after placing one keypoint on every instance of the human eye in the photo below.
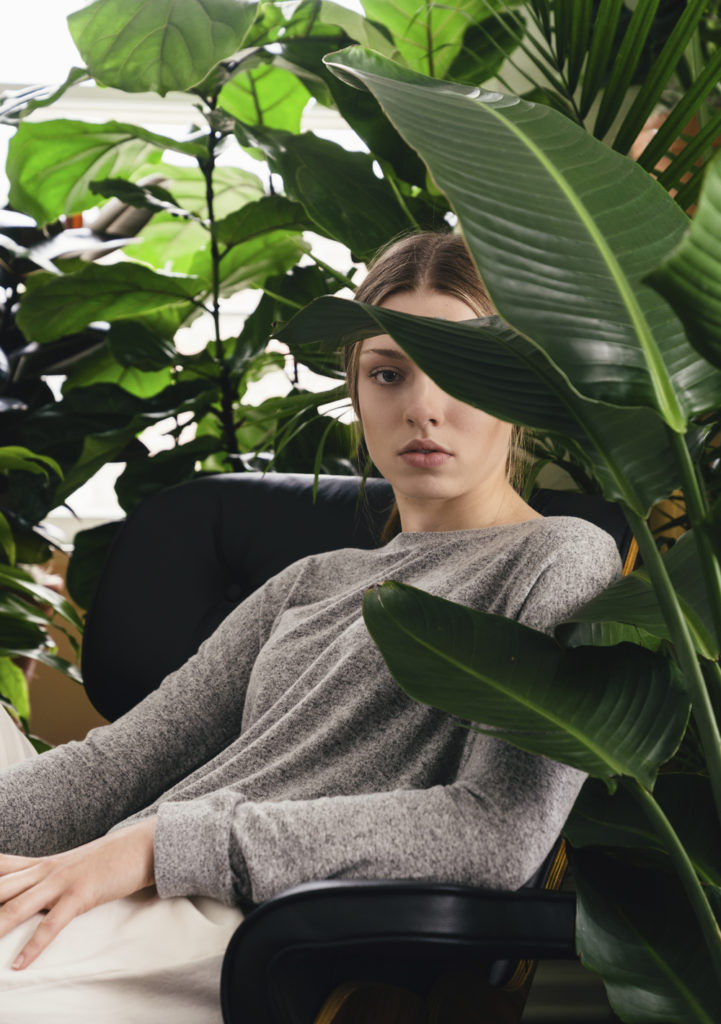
(384, 375)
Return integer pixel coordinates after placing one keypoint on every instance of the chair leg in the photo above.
(366, 1002)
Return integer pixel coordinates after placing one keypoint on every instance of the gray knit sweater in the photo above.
(284, 751)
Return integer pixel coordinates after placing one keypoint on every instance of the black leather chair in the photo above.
(180, 563)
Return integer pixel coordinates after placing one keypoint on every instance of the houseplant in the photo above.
(275, 47)
(589, 349)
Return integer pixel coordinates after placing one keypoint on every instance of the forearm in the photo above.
(493, 833)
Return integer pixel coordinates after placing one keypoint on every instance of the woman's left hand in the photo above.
(68, 884)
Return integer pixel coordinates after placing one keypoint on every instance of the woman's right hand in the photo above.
(68, 884)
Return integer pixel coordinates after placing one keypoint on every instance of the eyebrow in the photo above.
(389, 353)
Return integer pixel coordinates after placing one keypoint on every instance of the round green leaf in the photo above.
(158, 45)
(56, 306)
(51, 164)
(265, 97)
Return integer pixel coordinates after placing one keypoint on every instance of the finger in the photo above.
(49, 928)
(9, 863)
(15, 912)
(19, 881)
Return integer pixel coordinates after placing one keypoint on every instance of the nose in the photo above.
(425, 403)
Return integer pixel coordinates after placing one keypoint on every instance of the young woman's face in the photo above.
(427, 444)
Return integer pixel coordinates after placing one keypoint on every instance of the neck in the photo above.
(431, 515)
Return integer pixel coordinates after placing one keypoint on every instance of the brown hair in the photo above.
(437, 261)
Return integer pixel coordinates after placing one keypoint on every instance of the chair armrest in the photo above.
(292, 950)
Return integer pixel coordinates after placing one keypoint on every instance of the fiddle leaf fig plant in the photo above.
(568, 236)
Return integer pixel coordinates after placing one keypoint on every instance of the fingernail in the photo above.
(18, 962)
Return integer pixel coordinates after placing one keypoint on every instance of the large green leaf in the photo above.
(51, 164)
(55, 306)
(428, 35)
(637, 930)
(314, 31)
(328, 180)
(563, 230)
(265, 97)
(137, 45)
(599, 818)
(607, 711)
(633, 600)
(690, 278)
(487, 364)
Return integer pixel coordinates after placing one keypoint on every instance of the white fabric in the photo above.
(139, 959)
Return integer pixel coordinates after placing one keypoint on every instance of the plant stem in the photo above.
(343, 279)
(685, 652)
(684, 869)
(226, 389)
(697, 509)
(390, 178)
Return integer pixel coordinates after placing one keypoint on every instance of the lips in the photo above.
(423, 445)
(424, 454)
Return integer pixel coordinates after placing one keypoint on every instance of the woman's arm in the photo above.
(493, 826)
(76, 792)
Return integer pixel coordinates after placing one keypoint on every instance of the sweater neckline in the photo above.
(418, 538)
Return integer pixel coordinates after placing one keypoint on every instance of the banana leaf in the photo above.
(606, 711)
(485, 363)
(563, 230)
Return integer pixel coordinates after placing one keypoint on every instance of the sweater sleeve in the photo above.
(492, 826)
(78, 791)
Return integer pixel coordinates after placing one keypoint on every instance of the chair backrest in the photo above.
(187, 555)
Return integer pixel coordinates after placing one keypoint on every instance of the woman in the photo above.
(283, 751)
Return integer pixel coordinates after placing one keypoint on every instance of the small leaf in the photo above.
(634, 601)
(90, 549)
(7, 541)
(149, 197)
(266, 214)
(132, 344)
(14, 687)
(16, 457)
(22, 583)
